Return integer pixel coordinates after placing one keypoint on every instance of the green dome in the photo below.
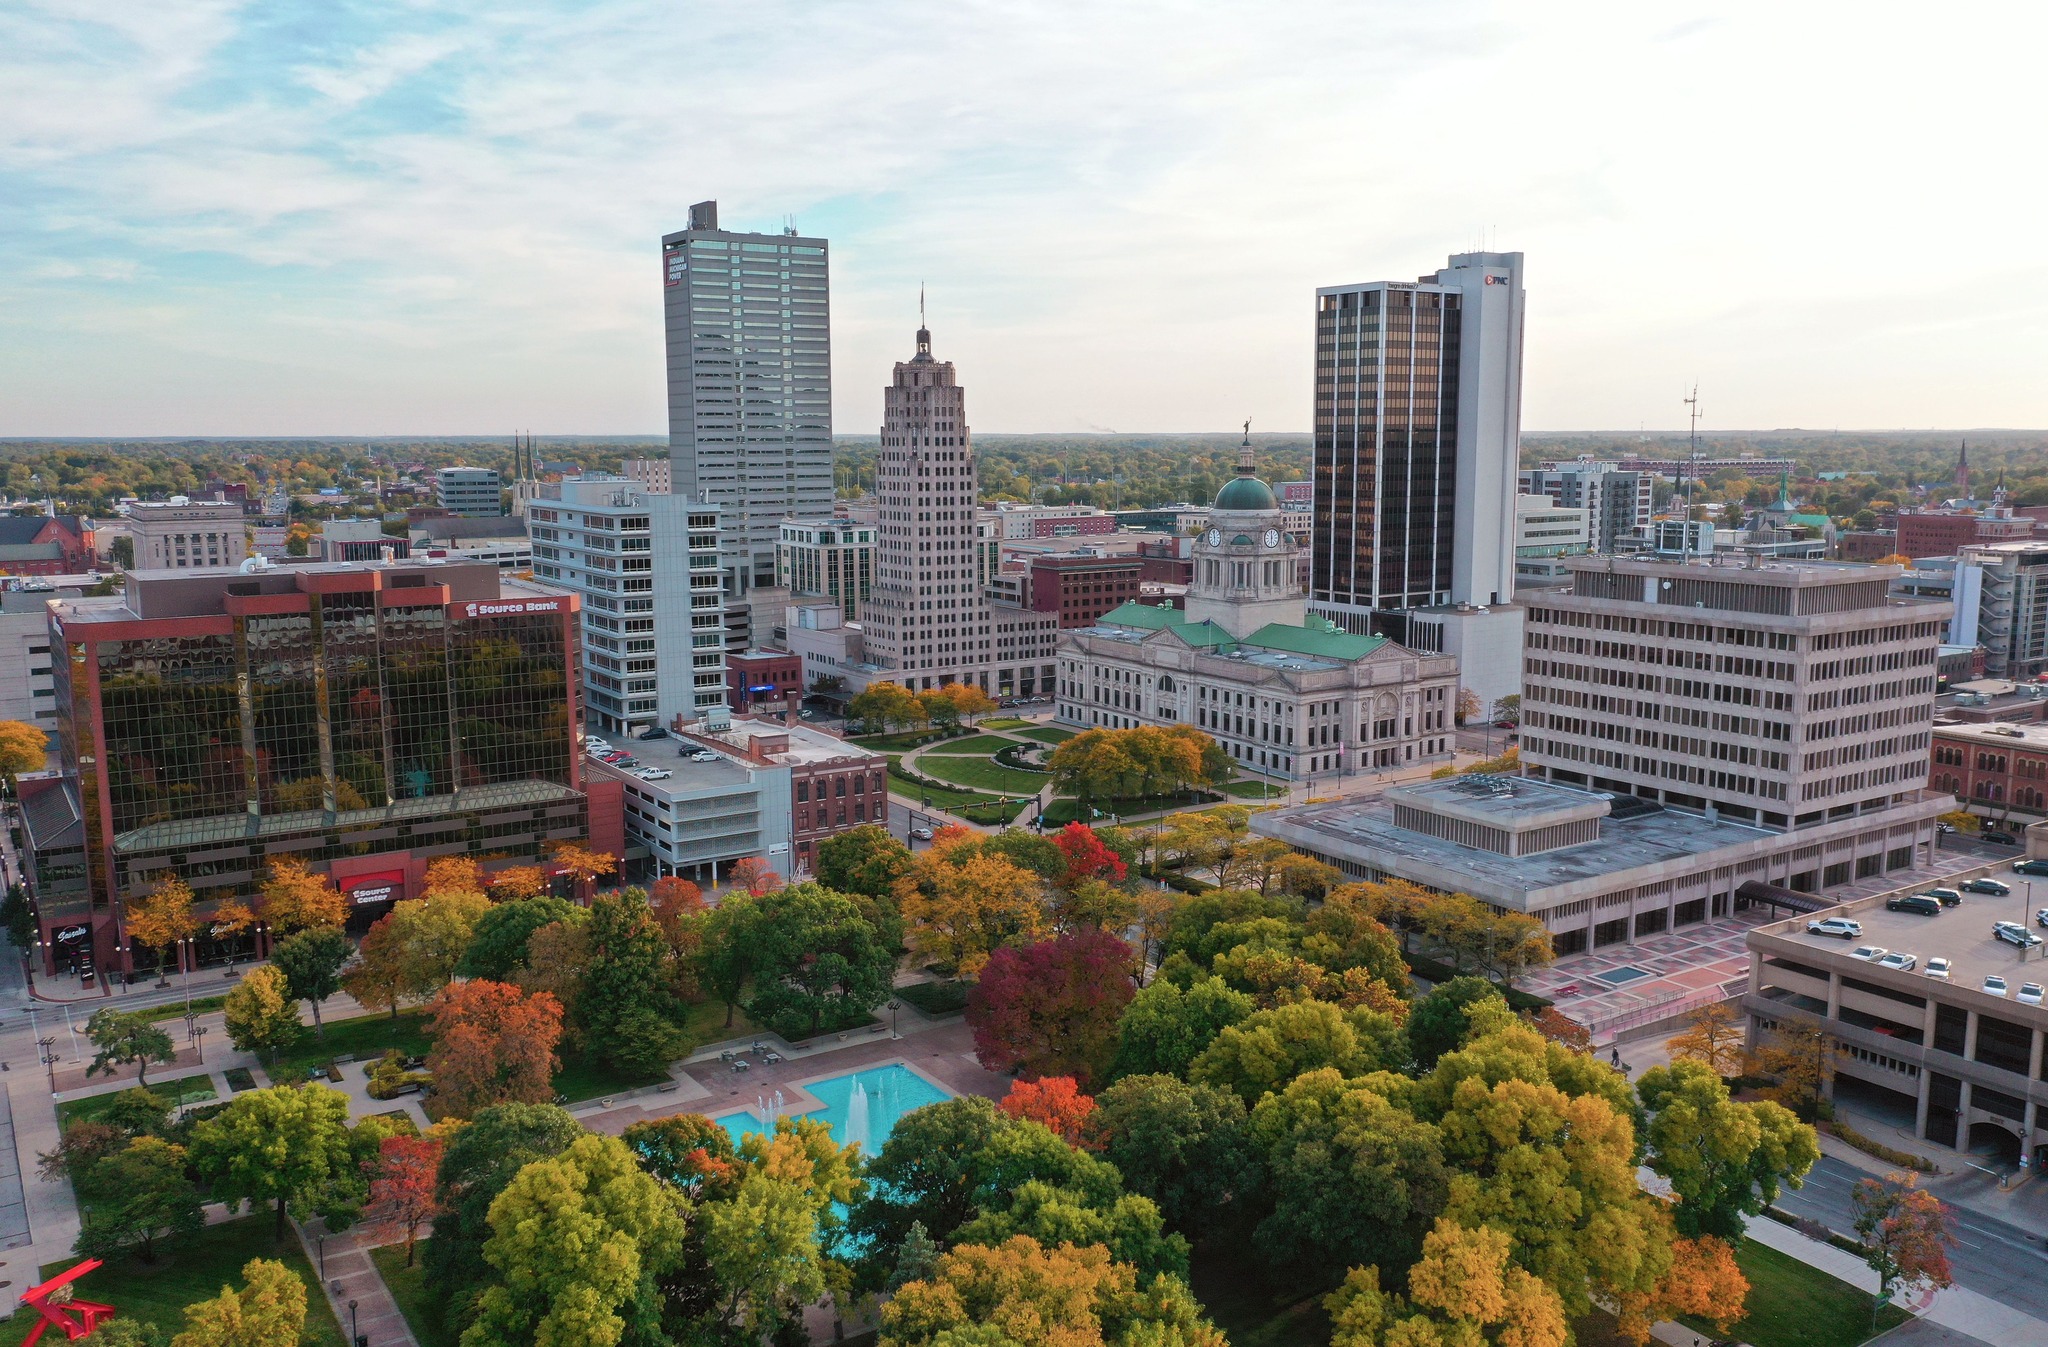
(1246, 493)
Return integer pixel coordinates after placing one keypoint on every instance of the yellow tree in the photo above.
(957, 915)
(1464, 1291)
(163, 916)
(453, 874)
(22, 749)
(1713, 1037)
(270, 1311)
(969, 700)
(296, 899)
(519, 881)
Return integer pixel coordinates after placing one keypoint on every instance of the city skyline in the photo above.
(227, 223)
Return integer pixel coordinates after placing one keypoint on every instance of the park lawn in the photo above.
(1047, 734)
(174, 1091)
(973, 745)
(361, 1038)
(192, 1269)
(590, 1077)
(1255, 790)
(408, 1286)
(1004, 723)
(983, 773)
(892, 743)
(1794, 1305)
(904, 784)
(936, 998)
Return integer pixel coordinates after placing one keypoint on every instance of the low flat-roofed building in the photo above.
(1959, 1065)
(1994, 768)
(704, 815)
(832, 785)
(1595, 869)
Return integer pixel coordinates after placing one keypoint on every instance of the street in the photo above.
(1990, 1257)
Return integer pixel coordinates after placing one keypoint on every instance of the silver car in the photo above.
(1900, 962)
(1994, 985)
(1841, 926)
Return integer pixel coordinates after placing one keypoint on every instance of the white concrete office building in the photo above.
(749, 387)
(1617, 503)
(474, 493)
(647, 565)
(179, 534)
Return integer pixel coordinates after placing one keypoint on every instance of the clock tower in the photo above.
(1246, 574)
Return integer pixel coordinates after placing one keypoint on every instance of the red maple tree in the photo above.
(1051, 1009)
(402, 1191)
(754, 875)
(1054, 1101)
(1905, 1232)
(493, 1044)
(674, 896)
(1088, 857)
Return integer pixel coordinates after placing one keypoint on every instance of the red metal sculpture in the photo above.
(88, 1312)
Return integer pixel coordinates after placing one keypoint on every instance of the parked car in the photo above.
(1991, 886)
(1999, 837)
(654, 774)
(703, 755)
(1937, 967)
(653, 732)
(1945, 829)
(2012, 933)
(1994, 985)
(1841, 926)
(2041, 916)
(921, 834)
(2030, 867)
(597, 745)
(1899, 961)
(1869, 953)
(1917, 903)
(2029, 994)
(1946, 897)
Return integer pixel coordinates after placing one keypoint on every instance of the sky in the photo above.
(409, 217)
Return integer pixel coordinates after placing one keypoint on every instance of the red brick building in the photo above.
(833, 785)
(1938, 533)
(761, 679)
(1993, 769)
(1081, 589)
(45, 545)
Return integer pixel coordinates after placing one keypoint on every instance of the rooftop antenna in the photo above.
(1692, 407)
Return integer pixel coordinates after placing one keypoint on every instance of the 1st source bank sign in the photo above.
(503, 609)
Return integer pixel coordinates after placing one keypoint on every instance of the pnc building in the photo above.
(364, 717)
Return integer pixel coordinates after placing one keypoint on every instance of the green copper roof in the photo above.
(1144, 615)
(1246, 493)
(1313, 640)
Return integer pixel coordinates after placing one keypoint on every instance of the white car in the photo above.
(597, 745)
(1869, 953)
(1899, 961)
(703, 755)
(1937, 967)
(1995, 985)
(654, 774)
(2029, 994)
(1841, 926)
(921, 834)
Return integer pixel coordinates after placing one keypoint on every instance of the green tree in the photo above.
(577, 1241)
(726, 955)
(19, 915)
(626, 1005)
(1354, 1179)
(865, 861)
(1274, 1046)
(145, 1197)
(261, 1015)
(286, 1145)
(762, 1250)
(1725, 1160)
(269, 1311)
(477, 1163)
(127, 1036)
(497, 945)
(311, 963)
(929, 1173)
(1184, 1146)
(1129, 1226)
(816, 960)
(1439, 1022)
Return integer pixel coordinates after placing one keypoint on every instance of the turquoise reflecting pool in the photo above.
(866, 1114)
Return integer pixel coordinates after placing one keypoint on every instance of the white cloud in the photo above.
(1122, 211)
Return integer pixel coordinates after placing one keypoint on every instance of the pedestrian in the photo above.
(1615, 1055)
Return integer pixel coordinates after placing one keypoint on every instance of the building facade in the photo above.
(474, 493)
(1545, 534)
(46, 544)
(831, 785)
(2004, 588)
(748, 319)
(828, 558)
(1417, 435)
(1617, 503)
(1284, 693)
(1994, 768)
(929, 620)
(1080, 589)
(647, 569)
(181, 534)
(1786, 695)
(364, 718)
(763, 680)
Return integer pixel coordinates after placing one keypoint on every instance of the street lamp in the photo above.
(352, 1322)
(190, 1020)
(50, 1061)
(199, 1041)
(894, 1006)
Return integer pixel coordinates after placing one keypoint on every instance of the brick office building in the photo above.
(365, 717)
(763, 679)
(1081, 589)
(1995, 769)
(832, 785)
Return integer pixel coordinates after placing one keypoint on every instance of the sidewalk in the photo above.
(349, 1277)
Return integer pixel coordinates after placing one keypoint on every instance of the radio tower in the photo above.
(1685, 478)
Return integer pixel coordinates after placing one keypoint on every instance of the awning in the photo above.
(1756, 891)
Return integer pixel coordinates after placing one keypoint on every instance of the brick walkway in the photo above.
(351, 1276)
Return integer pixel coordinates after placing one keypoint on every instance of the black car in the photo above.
(652, 732)
(1918, 903)
(2030, 867)
(2003, 839)
(1990, 886)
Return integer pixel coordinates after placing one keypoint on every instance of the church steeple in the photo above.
(1963, 470)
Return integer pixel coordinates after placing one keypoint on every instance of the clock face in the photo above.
(1272, 537)
(1215, 537)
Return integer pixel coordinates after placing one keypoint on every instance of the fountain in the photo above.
(857, 1117)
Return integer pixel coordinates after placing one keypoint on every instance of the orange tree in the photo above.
(296, 899)
(582, 863)
(493, 1044)
(163, 916)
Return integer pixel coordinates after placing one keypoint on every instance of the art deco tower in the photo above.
(927, 617)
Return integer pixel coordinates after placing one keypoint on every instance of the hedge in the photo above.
(936, 998)
(1436, 971)
(1904, 1159)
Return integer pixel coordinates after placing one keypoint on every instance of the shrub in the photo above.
(389, 1077)
(1903, 1159)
